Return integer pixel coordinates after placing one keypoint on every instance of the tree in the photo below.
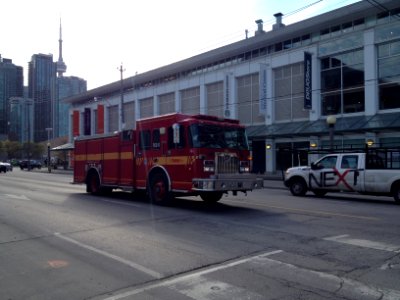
(12, 149)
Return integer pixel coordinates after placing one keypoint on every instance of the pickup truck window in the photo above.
(349, 162)
(327, 162)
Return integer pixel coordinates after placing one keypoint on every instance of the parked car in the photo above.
(8, 166)
(3, 167)
(31, 164)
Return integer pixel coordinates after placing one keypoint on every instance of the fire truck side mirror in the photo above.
(176, 133)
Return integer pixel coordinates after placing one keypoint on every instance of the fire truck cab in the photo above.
(167, 156)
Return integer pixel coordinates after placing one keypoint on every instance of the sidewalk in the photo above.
(273, 181)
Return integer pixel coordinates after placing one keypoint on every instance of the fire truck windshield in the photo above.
(212, 136)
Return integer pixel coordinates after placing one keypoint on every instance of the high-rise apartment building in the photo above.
(66, 87)
(11, 85)
(42, 89)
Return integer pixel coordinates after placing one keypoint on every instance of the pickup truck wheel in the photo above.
(211, 197)
(158, 190)
(396, 193)
(298, 187)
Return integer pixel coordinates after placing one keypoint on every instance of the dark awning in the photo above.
(357, 124)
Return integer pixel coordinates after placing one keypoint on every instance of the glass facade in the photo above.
(389, 75)
(42, 79)
(342, 83)
(11, 85)
(66, 87)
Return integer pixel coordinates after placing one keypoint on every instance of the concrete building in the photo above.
(284, 84)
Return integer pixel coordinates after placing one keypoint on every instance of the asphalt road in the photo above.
(57, 242)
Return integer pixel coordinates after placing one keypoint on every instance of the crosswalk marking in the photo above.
(346, 239)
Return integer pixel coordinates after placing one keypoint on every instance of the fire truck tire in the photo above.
(158, 190)
(211, 197)
(93, 184)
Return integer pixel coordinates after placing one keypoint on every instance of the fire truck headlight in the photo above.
(244, 167)
(208, 166)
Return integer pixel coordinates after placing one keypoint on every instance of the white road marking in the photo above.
(346, 239)
(17, 197)
(112, 256)
(196, 285)
(186, 277)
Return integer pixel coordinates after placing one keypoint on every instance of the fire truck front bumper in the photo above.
(242, 182)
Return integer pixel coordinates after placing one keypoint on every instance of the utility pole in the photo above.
(48, 149)
(122, 123)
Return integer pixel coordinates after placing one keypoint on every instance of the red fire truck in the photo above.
(167, 156)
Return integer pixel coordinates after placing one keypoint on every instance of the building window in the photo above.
(167, 103)
(129, 115)
(113, 118)
(289, 93)
(215, 99)
(389, 75)
(342, 83)
(146, 107)
(190, 101)
(248, 95)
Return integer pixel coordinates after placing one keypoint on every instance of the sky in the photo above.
(98, 36)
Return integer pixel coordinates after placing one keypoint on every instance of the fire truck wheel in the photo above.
(159, 191)
(211, 197)
(93, 184)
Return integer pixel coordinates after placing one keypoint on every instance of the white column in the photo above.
(370, 74)
(178, 101)
(316, 86)
(270, 115)
(270, 156)
(203, 100)
(156, 103)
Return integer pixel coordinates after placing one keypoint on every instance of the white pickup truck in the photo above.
(376, 173)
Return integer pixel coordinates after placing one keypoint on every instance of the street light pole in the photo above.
(122, 124)
(331, 121)
(48, 149)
